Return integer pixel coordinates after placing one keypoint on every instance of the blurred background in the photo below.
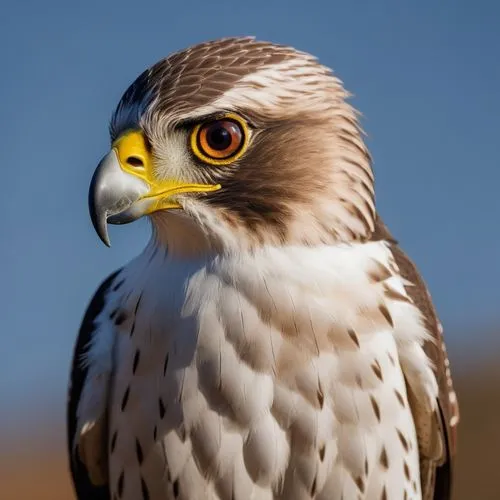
(426, 76)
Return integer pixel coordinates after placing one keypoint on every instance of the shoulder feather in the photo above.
(437, 474)
(85, 486)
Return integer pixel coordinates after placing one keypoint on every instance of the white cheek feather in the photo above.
(210, 224)
(172, 158)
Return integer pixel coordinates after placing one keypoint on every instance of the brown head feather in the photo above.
(306, 177)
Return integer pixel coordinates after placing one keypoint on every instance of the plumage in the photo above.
(272, 341)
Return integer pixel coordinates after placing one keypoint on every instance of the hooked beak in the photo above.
(124, 187)
(112, 195)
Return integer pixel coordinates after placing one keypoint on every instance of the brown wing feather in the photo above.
(85, 489)
(439, 473)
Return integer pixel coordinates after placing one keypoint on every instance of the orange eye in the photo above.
(220, 139)
(219, 142)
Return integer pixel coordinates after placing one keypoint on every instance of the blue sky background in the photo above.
(426, 76)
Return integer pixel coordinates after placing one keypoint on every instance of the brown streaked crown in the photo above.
(191, 78)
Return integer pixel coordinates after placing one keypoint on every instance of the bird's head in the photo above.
(251, 143)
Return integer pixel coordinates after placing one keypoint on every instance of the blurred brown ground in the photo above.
(40, 472)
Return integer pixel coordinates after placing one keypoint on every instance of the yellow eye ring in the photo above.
(220, 141)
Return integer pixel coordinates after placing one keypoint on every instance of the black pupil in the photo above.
(219, 136)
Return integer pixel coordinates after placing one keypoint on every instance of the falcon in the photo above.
(272, 341)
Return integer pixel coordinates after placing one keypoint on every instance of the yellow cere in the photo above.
(131, 149)
(136, 159)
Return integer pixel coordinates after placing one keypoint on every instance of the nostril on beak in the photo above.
(135, 161)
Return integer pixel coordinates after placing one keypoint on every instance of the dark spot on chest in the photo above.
(135, 363)
(165, 365)
(144, 489)
(138, 451)
(403, 440)
(384, 461)
(113, 441)
(125, 398)
(120, 318)
(377, 369)
(119, 486)
(161, 407)
(376, 407)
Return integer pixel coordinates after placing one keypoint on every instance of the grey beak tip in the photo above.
(98, 216)
(101, 228)
(105, 238)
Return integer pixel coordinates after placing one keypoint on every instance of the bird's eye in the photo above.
(219, 142)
